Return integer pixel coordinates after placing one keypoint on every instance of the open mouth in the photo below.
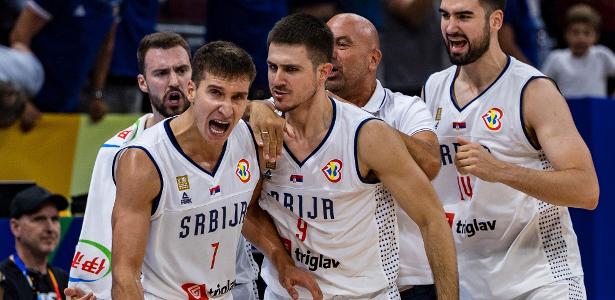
(174, 97)
(218, 127)
(456, 45)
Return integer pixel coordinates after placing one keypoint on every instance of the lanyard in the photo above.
(22, 267)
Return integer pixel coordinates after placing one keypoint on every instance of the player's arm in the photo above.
(28, 24)
(400, 174)
(424, 149)
(259, 230)
(138, 183)
(572, 182)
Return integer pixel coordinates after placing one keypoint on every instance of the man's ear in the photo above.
(496, 20)
(14, 224)
(142, 83)
(374, 59)
(191, 91)
(324, 71)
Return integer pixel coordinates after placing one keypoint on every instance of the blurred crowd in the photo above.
(79, 56)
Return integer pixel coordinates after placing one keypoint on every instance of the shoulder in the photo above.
(400, 101)
(558, 55)
(602, 51)
(349, 111)
(520, 69)
(5, 265)
(437, 81)
(126, 135)
(441, 75)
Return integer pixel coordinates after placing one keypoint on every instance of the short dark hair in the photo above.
(583, 13)
(159, 40)
(492, 5)
(306, 30)
(223, 59)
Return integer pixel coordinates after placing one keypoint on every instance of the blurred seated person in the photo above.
(21, 78)
(70, 38)
(582, 69)
(35, 223)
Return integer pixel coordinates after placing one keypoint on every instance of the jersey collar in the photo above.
(377, 99)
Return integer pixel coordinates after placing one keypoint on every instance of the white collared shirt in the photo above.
(410, 115)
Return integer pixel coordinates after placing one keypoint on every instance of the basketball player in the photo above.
(512, 162)
(356, 55)
(164, 63)
(184, 186)
(325, 196)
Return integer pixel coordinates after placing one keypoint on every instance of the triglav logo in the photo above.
(195, 291)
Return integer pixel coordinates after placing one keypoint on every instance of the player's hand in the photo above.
(29, 117)
(472, 158)
(269, 129)
(74, 293)
(98, 109)
(291, 276)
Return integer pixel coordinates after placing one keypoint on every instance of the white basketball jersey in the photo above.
(507, 241)
(91, 265)
(332, 222)
(197, 218)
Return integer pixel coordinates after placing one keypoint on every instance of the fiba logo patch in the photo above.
(182, 183)
(243, 171)
(333, 170)
(493, 119)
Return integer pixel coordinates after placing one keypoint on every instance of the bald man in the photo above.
(355, 61)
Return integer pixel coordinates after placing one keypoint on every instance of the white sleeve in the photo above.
(609, 61)
(415, 117)
(92, 258)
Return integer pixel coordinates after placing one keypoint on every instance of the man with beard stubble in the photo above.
(164, 64)
(512, 162)
(356, 56)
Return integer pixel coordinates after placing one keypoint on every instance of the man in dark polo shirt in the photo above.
(35, 224)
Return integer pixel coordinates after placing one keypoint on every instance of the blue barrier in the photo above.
(595, 119)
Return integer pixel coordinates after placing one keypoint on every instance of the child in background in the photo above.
(582, 69)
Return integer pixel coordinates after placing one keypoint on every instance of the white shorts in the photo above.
(270, 295)
(571, 288)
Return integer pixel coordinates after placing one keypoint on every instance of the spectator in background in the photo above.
(411, 45)
(36, 226)
(251, 23)
(582, 69)
(523, 34)
(21, 77)
(66, 37)
(138, 19)
(9, 11)
(322, 9)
